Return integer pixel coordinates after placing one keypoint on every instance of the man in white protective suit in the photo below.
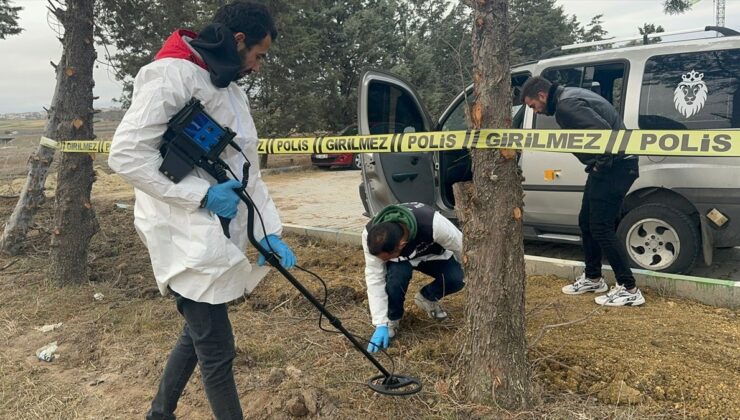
(179, 222)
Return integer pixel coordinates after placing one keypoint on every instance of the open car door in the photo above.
(387, 105)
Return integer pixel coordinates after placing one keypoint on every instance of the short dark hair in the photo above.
(384, 237)
(251, 19)
(533, 86)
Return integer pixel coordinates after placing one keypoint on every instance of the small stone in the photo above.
(46, 353)
(49, 327)
(98, 296)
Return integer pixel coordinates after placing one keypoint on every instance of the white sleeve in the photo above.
(445, 233)
(377, 298)
(159, 93)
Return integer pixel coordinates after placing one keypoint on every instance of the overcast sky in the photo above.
(27, 80)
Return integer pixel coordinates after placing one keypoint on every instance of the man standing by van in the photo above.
(609, 179)
(398, 240)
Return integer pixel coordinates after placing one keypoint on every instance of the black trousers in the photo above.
(448, 279)
(207, 339)
(600, 212)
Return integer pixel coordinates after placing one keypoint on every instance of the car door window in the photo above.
(393, 110)
(699, 90)
(606, 79)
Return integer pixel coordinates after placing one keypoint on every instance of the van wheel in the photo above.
(660, 238)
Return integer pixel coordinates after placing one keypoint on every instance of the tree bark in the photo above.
(74, 218)
(493, 365)
(31, 198)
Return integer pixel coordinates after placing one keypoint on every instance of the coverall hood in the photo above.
(177, 47)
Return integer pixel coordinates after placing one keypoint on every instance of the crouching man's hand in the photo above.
(380, 339)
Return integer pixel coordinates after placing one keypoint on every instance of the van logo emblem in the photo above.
(690, 95)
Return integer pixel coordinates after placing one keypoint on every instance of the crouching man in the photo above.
(400, 239)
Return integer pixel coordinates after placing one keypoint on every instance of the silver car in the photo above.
(679, 208)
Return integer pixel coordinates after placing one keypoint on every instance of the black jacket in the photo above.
(576, 108)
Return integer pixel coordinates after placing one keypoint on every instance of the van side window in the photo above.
(699, 90)
(605, 79)
(393, 110)
(456, 119)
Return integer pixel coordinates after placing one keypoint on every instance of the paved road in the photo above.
(319, 198)
(330, 199)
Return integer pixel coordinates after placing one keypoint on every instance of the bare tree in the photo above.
(493, 365)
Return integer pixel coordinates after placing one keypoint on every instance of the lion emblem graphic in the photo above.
(690, 95)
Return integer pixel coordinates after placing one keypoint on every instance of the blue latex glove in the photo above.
(287, 257)
(222, 199)
(380, 339)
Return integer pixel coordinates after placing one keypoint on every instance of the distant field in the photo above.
(27, 133)
(37, 127)
(11, 125)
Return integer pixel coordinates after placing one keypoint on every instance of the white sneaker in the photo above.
(583, 285)
(393, 327)
(619, 296)
(433, 309)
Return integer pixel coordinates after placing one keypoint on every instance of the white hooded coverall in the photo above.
(187, 247)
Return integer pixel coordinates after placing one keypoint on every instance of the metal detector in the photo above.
(192, 139)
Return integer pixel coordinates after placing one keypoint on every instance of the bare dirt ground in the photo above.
(669, 359)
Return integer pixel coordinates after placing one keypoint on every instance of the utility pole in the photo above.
(719, 12)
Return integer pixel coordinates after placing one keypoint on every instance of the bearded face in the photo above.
(689, 97)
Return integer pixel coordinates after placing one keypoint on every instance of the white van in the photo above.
(679, 208)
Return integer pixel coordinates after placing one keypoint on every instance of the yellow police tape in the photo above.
(630, 142)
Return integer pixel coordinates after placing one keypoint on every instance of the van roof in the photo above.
(728, 36)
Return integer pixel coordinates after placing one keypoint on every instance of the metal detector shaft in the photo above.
(273, 260)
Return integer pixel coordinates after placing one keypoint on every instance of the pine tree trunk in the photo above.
(493, 366)
(74, 218)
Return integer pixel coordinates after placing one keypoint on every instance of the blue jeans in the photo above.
(448, 279)
(600, 212)
(206, 339)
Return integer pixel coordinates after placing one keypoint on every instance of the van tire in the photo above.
(665, 224)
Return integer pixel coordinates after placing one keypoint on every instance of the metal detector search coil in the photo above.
(192, 138)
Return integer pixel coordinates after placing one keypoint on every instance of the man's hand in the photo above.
(603, 163)
(287, 257)
(380, 339)
(222, 199)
